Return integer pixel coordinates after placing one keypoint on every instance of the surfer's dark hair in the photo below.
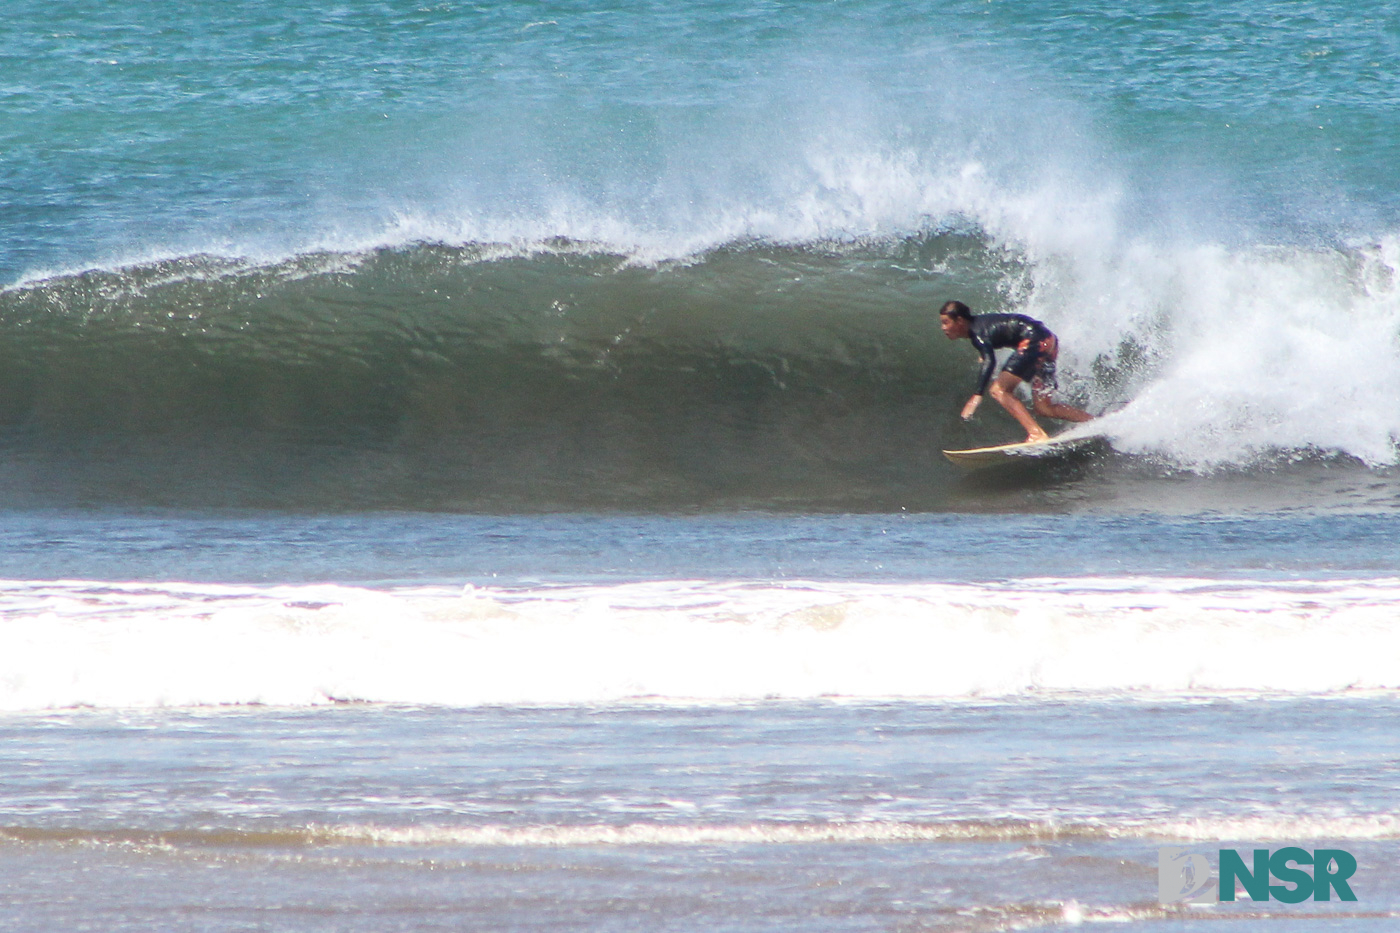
(956, 309)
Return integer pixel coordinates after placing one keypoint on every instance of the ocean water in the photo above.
(478, 466)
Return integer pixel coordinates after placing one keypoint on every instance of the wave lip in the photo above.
(74, 643)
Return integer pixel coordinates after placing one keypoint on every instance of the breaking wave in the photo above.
(565, 374)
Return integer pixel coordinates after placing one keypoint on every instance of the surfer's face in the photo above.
(954, 328)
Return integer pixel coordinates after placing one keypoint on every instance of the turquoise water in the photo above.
(268, 128)
(559, 256)
(478, 466)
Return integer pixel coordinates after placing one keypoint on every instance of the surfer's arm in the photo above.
(989, 365)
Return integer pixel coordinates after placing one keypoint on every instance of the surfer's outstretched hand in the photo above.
(971, 407)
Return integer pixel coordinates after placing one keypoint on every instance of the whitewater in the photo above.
(103, 645)
(478, 466)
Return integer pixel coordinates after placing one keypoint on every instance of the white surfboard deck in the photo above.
(1059, 445)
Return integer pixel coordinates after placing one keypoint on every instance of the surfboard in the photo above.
(1061, 444)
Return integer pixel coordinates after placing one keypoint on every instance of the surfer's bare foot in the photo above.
(1036, 437)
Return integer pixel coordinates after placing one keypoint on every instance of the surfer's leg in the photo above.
(1049, 408)
(1043, 383)
(1004, 391)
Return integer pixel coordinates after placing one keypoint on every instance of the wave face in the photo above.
(134, 645)
(545, 257)
(435, 376)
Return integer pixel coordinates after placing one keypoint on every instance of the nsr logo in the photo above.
(1183, 877)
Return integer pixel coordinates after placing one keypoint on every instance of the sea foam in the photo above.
(67, 644)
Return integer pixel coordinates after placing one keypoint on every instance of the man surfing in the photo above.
(1034, 360)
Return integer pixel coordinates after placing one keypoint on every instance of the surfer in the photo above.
(1033, 360)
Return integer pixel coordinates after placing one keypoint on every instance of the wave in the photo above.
(692, 276)
(564, 374)
(105, 645)
(555, 374)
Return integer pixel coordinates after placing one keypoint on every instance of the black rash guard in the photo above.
(990, 332)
